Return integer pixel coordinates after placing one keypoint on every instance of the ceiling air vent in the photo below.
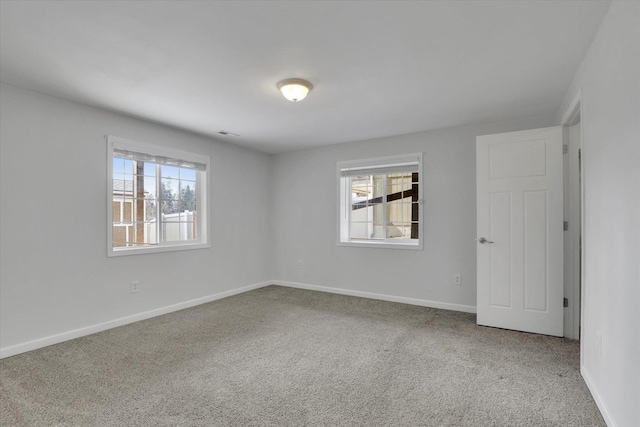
(225, 133)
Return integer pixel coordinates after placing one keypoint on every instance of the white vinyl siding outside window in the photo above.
(381, 202)
(156, 198)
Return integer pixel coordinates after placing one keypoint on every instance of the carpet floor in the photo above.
(277, 356)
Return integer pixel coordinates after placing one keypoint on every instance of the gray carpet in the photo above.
(286, 357)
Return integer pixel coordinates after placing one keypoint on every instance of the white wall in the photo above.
(55, 274)
(307, 230)
(609, 78)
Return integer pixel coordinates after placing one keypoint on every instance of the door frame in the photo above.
(574, 289)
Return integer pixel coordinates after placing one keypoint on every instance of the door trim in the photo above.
(572, 116)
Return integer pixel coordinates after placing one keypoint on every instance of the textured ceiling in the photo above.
(378, 68)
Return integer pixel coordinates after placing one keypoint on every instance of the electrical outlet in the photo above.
(457, 279)
(135, 287)
(300, 263)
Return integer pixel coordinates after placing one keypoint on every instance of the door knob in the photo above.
(483, 240)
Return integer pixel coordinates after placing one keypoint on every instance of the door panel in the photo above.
(527, 158)
(519, 208)
(535, 250)
(500, 212)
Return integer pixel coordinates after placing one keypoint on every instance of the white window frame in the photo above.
(344, 202)
(202, 219)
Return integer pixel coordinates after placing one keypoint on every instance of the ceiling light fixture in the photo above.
(294, 89)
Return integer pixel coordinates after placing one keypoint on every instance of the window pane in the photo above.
(118, 166)
(117, 206)
(378, 186)
(378, 231)
(360, 214)
(358, 203)
(394, 212)
(170, 189)
(406, 211)
(185, 206)
(172, 217)
(415, 227)
(143, 168)
(392, 180)
(118, 184)
(138, 236)
(151, 234)
(169, 207)
(171, 231)
(406, 230)
(361, 230)
(119, 236)
(179, 231)
(150, 210)
(179, 217)
(140, 207)
(394, 231)
(127, 211)
(128, 184)
(150, 169)
(406, 182)
(377, 214)
(188, 195)
(128, 166)
(187, 174)
(360, 189)
(187, 187)
(187, 231)
(415, 212)
(130, 235)
(402, 230)
(170, 172)
(148, 187)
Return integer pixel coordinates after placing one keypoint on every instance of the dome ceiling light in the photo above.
(294, 89)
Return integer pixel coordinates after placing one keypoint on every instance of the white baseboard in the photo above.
(81, 332)
(383, 297)
(88, 330)
(596, 397)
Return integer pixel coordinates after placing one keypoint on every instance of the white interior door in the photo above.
(520, 230)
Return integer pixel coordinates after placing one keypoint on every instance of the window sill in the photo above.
(154, 249)
(382, 245)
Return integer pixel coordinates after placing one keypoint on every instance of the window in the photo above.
(380, 202)
(156, 198)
